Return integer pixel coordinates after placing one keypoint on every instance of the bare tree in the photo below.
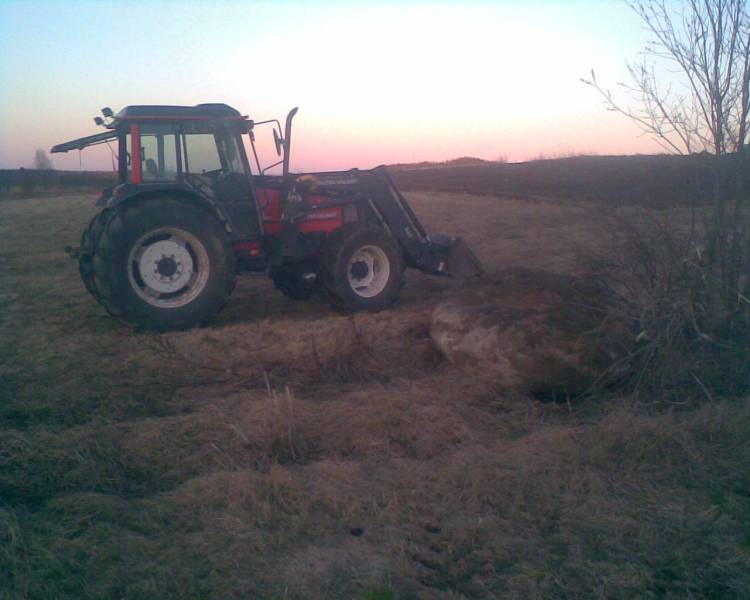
(691, 92)
(702, 107)
(705, 106)
(42, 161)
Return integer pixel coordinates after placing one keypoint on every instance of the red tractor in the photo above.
(188, 213)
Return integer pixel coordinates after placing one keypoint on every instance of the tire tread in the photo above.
(98, 270)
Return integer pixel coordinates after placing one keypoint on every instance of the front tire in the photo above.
(361, 269)
(163, 264)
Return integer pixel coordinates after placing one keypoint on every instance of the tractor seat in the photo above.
(151, 169)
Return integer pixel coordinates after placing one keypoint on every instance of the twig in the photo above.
(703, 387)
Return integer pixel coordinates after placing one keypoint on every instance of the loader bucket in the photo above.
(462, 263)
(453, 258)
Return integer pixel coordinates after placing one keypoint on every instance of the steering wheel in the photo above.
(215, 174)
(198, 181)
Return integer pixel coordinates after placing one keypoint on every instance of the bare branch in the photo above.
(709, 42)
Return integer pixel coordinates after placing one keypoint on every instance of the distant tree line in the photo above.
(42, 161)
(26, 182)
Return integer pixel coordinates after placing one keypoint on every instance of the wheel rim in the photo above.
(369, 271)
(168, 267)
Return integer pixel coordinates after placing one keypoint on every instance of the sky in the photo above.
(375, 82)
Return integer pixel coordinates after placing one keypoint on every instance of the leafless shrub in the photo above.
(685, 296)
(686, 332)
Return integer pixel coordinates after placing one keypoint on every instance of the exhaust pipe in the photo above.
(288, 139)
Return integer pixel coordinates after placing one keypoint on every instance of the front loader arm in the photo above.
(432, 253)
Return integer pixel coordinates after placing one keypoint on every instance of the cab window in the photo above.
(202, 154)
(158, 153)
(211, 148)
(158, 156)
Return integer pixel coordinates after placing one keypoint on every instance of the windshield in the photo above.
(211, 148)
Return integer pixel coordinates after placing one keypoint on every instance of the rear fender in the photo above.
(128, 194)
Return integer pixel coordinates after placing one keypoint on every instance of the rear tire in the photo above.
(163, 264)
(361, 269)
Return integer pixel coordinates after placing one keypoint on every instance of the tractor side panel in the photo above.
(270, 207)
(320, 219)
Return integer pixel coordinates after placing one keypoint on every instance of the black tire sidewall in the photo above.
(135, 222)
(339, 290)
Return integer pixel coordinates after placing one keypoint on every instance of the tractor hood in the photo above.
(83, 142)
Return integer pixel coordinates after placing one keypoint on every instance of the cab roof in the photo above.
(161, 111)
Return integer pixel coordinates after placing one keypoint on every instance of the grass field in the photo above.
(287, 451)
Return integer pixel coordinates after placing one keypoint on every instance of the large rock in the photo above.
(531, 330)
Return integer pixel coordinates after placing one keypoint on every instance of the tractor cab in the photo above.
(196, 149)
(172, 143)
(157, 146)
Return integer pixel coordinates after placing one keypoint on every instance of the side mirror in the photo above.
(107, 111)
(277, 141)
(98, 120)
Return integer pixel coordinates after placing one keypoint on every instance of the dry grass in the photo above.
(239, 460)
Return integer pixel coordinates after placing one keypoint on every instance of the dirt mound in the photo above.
(532, 330)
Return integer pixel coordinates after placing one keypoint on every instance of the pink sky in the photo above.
(375, 83)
